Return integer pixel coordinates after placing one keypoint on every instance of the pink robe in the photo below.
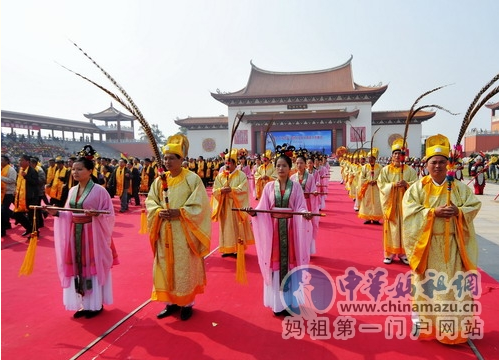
(97, 248)
(313, 202)
(302, 229)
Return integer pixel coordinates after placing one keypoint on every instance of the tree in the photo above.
(156, 132)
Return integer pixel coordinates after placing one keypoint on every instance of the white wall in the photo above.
(385, 131)
(196, 138)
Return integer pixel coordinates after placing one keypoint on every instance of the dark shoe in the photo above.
(376, 222)
(367, 222)
(186, 313)
(282, 313)
(93, 313)
(170, 309)
(80, 313)
(229, 254)
(404, 259)
(416, 330)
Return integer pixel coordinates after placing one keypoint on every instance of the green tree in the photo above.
(156, 132)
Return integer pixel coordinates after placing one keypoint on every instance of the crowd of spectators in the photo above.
(15, 146)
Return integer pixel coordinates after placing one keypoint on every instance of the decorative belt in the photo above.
(85, 219)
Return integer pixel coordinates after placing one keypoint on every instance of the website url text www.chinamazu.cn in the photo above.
(392, 307)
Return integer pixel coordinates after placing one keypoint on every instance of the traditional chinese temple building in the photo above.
(318, 110)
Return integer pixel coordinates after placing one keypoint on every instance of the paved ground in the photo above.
(486, 226)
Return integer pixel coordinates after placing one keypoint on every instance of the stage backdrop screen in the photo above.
(316, 140)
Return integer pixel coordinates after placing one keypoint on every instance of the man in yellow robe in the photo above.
(178, 216)
(265, 173)
(230, 190)
(393, 181)
(440, 241)
(58, 187)
(368, 193)
(50, 177)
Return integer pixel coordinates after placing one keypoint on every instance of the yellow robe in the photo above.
(264, 170)
(426, 247)
(368, 195)
(179, 270)
(391, 202)
(353, 180)
(58, 184)
(50, 178)
(234, 225)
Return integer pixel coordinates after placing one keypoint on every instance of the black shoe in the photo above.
(282, 313)
(229, 255)
(367, 222)
(93, 313)
(80, 313)
(416, 330)
(376, 222)
(170, 309)
(186, 313)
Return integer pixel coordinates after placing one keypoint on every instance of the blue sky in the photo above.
(169, 55)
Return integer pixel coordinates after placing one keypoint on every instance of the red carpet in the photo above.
(229, 320)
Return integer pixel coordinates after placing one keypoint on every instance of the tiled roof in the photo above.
(109, 114)
(337, 80)
(214, 120)
(493, 106)
(400, 115)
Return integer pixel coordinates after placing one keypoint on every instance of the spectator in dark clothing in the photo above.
(134, 184)
(26, 194)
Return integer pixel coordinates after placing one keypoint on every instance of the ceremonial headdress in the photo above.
(398, 144)
(233, 155)
(285, 149)
(437, 145)
(374, 153)
(176, 144)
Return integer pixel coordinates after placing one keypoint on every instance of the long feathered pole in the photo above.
(412, 112)
(474, 107)
(457, 150)
(267, 131)
(127, 102)
(235, 125)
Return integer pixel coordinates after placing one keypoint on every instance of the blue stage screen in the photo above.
(316, 140)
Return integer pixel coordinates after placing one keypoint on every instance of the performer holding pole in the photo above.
(83, 242)
(288, 244)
